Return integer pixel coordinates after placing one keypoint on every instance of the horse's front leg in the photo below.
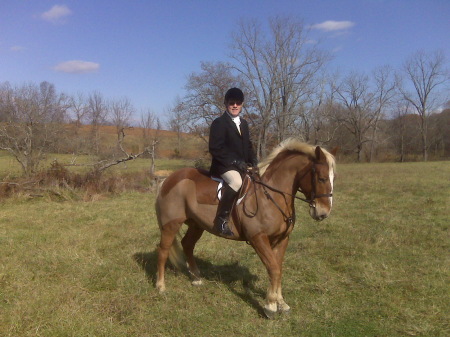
(261, 244)
(279, 251)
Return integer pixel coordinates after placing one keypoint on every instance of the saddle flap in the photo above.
(211, 190)
(246, 182)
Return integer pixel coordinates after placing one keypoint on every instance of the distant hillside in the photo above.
(190, 147)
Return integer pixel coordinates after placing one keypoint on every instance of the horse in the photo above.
(264, 217)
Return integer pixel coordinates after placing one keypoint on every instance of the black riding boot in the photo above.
(224, 210)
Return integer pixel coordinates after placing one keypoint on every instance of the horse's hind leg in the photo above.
(168, 233)
(188, 242)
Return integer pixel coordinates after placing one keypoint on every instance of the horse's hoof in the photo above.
(270, 314)
(197, 283)
(161, 288)
(284, 309)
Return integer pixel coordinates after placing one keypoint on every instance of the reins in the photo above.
(256, 178)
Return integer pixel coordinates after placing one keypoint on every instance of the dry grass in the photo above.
(378, 266)
(64, 182)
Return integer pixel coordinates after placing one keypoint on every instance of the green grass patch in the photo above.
(378, 266)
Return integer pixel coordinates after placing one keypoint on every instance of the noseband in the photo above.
(312, 201)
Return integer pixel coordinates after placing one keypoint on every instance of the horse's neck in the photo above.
(282, 175)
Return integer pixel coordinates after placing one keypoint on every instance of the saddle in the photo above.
(211, 189)
(246, 182)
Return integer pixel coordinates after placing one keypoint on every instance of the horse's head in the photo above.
(314, 170)
(317, 185)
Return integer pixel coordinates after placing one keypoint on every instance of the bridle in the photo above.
(311, 201)
(256, 178)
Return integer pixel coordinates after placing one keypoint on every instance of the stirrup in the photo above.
(221, 225)
(225, 231)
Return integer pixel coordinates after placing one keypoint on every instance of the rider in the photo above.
(232, 152)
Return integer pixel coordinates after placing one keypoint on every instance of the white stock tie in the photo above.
(237, 121)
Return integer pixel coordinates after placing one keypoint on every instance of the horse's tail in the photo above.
(176, 254)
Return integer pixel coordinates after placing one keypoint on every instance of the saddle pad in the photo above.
(242, 193)
(219, 187)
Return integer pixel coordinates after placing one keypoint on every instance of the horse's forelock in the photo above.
(331, 161)
(293, 144)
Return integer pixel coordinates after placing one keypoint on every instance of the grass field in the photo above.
(379, 266)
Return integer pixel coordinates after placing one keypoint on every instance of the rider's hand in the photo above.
(240, 165)
(255, 169)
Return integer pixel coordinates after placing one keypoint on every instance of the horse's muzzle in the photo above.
(318, 213)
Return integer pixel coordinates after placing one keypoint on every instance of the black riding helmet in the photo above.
(235, 94)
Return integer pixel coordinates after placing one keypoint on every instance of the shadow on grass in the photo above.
(147, 261)
(228, 274)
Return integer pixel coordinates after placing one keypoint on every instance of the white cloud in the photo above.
(311, 41)
(77, 67)
(56, 14)
(331, 25)
(17, 48)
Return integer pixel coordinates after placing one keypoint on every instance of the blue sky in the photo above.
(144, 50)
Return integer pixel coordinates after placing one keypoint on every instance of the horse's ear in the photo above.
(334, 151)
(319, 154)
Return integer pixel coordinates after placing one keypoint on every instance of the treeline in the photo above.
(36, 120)
(390, 114)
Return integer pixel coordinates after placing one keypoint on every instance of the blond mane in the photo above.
(294, 144)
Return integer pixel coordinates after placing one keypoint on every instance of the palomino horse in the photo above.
(264, 218)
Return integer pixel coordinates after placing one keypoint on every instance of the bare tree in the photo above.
(126, 156)
(121, 111)
(385, 91)
(443, 130)
(204, 99)
(32, 122)
(398, 128)
(78, 113)
(151, 127)
(358, 114)
(426, 73)
(97, 112)
(315, 121)
(279, 70)
(177, 123)
(78, 108)
(147, 123)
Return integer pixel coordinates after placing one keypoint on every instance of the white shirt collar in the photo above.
(236, 119)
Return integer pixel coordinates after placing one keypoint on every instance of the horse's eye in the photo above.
(323, 180)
